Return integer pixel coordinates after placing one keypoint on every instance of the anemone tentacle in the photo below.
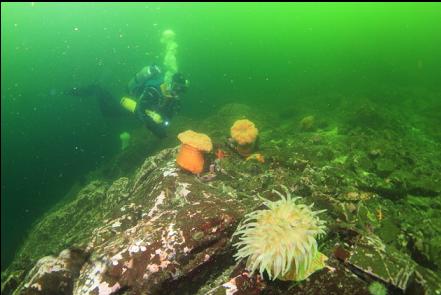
(281, 240)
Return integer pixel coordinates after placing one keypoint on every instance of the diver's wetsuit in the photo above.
(146, 87)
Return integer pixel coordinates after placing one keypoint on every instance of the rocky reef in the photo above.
(161, 230)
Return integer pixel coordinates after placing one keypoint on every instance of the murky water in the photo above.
(287, 60)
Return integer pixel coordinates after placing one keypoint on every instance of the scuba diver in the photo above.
(155, 102)
(153, 94)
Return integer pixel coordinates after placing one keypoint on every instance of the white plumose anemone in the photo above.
(281, 240)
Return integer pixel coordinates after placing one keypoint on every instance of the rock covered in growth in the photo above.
(157, 229)
(334, 279)
(161, 230)
(53, 275)
(69, 225)
(372, 257)
(172, 227)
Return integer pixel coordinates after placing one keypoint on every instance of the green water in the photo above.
(264, 55)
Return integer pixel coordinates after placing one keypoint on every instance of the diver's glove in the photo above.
(156, 117)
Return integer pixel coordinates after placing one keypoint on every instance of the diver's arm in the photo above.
(141, 106)
(134, 86)
(159, 129)
(146, 106)
(177, 106)
(172, 108)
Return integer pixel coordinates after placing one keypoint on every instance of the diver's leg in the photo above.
(89, 90)
(109, 104)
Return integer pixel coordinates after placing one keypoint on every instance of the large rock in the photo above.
(53, 275)
(371, 259)
(167, 226)
(332, 280)
(172, 227)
